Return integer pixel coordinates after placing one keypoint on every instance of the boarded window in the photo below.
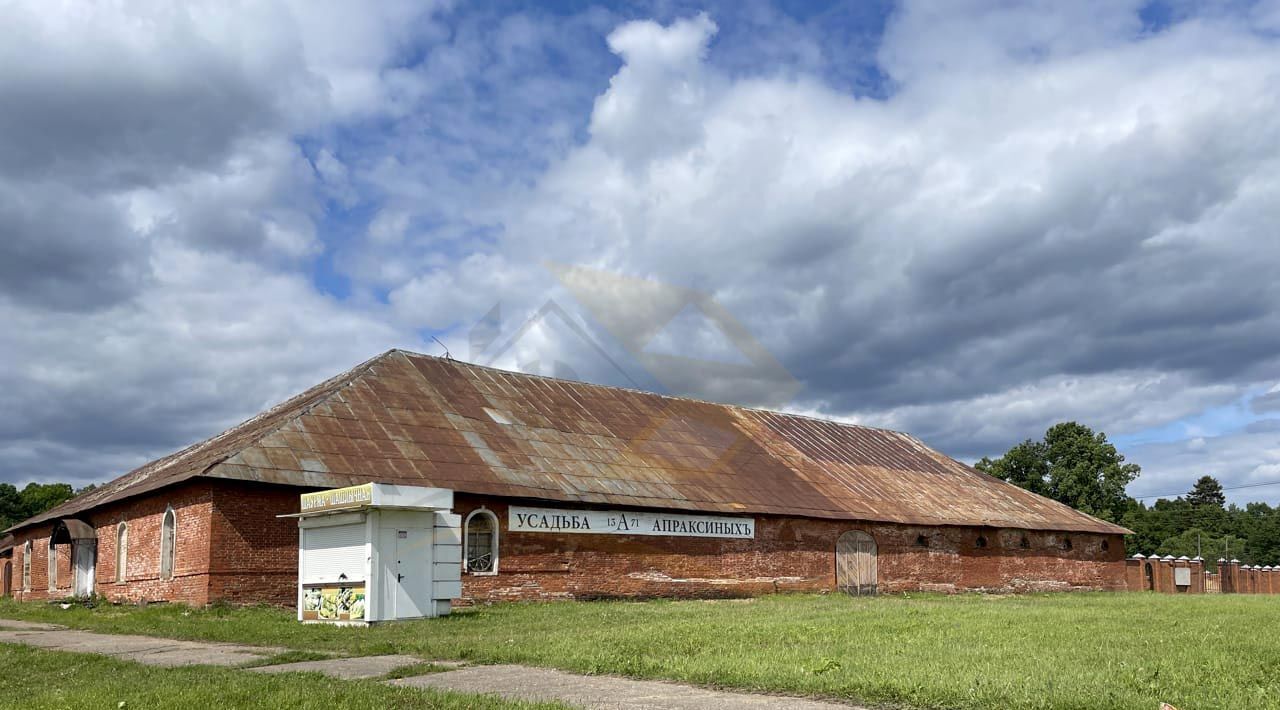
(856, 570)
(481, 541)
(122, 550)
(168, 544)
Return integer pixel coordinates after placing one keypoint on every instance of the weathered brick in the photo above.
(231, 546)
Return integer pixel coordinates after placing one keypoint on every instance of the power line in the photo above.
(1224, 488)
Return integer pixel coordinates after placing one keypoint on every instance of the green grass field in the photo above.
(969, 651)
(51, 680)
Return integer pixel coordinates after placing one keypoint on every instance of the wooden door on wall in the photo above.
(856, 569)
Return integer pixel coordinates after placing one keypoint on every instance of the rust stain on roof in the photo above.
(415, 419)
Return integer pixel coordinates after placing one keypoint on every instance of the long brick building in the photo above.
(566, 490)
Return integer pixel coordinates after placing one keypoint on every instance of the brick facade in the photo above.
(254, 555)
(788, 554)
(232, 547)
(191, 503)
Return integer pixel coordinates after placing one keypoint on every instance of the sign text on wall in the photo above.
(338, 498)
(611, 522)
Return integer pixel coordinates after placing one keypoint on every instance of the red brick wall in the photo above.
(231, 546)
(254, 556)
(191, 504)
(787, 554)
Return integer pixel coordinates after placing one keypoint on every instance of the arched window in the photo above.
(53, 564)
(26, 567)
(168, 543)
(480, 542)
(122, 550)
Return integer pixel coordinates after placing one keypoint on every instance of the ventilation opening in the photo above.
(981, 541)
(1106, 546)
(922, 541)
(1066, 544)
(1024, 543)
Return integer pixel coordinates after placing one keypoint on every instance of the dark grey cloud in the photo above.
(155, 212)
(107, 101)
(63, 251)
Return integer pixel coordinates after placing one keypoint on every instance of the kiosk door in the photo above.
(413, 572)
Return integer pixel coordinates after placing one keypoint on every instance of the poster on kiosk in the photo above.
(377, 552)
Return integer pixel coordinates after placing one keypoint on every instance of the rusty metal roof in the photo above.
(415, 419)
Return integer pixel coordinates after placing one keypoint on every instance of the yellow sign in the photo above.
(338, 498)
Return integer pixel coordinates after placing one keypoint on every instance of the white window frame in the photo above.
(122, 551)
(466, 541)
(52, 571)
(170, 555)
(26, 566)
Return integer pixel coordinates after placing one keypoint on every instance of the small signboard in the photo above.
(338, 498)
(1182, 576)
(322, 602)
(610, 522)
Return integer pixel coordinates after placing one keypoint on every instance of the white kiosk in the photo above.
(377, 552)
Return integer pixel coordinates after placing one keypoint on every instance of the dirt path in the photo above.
(509, 681)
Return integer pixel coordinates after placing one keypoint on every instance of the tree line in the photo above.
(18, 505)
(1074, 465)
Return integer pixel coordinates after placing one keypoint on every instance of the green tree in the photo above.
(1072, 465)
(39, 497)
(1207, 492)
(34, 499)
(1263, 546)
(1194, 541)
(11, 508)
(1025, 465)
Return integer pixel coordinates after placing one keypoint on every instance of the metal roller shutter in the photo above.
(330, 552)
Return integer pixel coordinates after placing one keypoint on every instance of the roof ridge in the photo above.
(676, 397)
(333, 385)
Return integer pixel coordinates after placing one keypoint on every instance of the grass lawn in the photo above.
(970, 651)
(38, 680)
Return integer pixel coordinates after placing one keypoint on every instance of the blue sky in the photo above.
(965, 220)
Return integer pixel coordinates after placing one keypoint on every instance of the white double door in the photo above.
(408, 570)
